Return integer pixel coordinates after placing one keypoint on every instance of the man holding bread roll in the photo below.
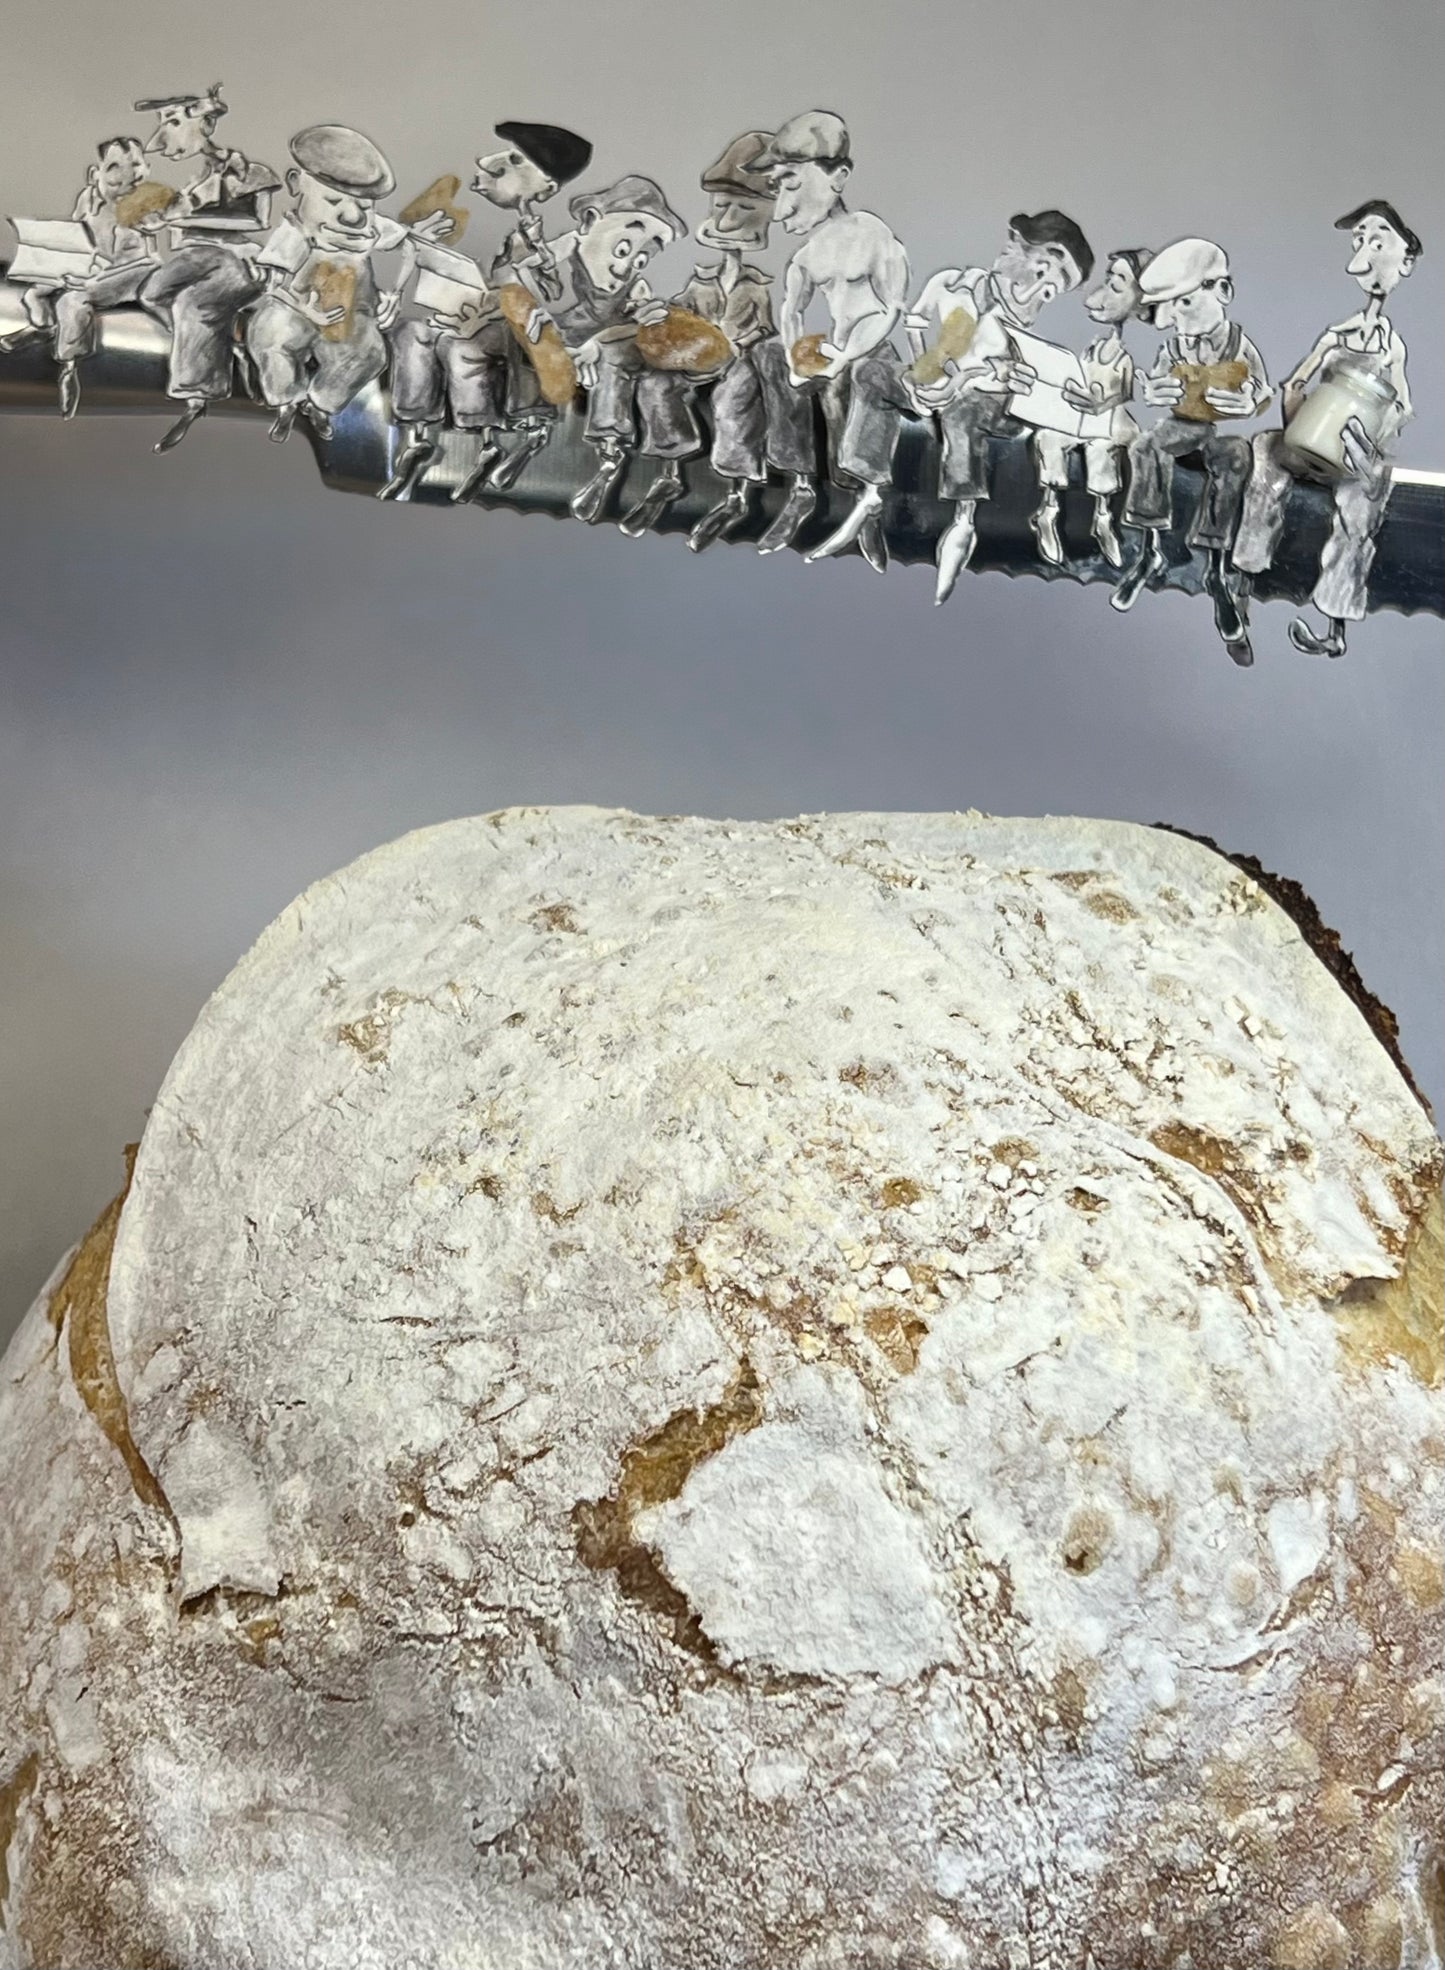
(1208, 371)
(858, 267)
(469, 364)
(734, 296)
(1383, 250)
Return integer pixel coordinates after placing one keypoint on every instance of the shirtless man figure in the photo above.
(860, 269)
(1383, 251)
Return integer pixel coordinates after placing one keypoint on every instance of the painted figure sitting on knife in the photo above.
(468, 363)
(117, 261)
(316, 335)
(598, 300)
(980, 388)
(1363, 358)
(858, 267)
(1108, 391)
(732, 295)
(1206, 372)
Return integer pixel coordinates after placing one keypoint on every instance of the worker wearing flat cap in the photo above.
(316, 335)
(732, 293)
(467, 368)
(1383, 251)
(598, 298)
(1207, 371)
(856, 266)
(1044, 255)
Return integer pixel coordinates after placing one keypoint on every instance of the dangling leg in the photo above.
(1314, 644)
(1149, 564)
(418, 448)
(955, 549)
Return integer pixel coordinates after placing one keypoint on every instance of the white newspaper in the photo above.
(1044, 404)
(447, 281)
(51, 251)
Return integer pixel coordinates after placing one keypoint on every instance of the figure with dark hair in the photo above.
(1108, 389)
(65, 312)
(733, 294)
(856, 266)
(597, 298)
(468, 365)
(1206, 372)
(974, 395)
(1366, 348)
(317, 334)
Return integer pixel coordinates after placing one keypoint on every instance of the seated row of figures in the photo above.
(302, 307)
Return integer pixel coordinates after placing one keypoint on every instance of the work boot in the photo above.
(723, 518)
(534, 439)
(411, 461)
(1148, 565)
(1045, 526)
(195, 407)
(868, 506)
(1229, 618)
(665, 488)
(487, 457)
(589, 503)
(283, 423)
(69, 389)
(18, 337)
(954, 551)
(1104, 534)
(1312, 643)
(801, 500)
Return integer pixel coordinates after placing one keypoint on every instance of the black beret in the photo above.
(562, 154)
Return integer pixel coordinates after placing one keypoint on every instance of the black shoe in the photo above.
(411, 461)
(1151, 562)
(797, 507)
(664, 490)
(534, 439)
(195, 407)
(477, 477)
(1229, 617)
(588, 504)
(282, 424)
(69, 389)
(1331, 644)
(722, 519)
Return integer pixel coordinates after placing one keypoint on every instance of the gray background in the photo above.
(218, 683)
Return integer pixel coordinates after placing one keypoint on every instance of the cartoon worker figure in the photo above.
(202, 289)
(857, 266)
(66, 312)
(1045, 255)
(1108, 388)
(1366, 350)
(1206, 372)
(733, 294)
(469, 363)
(598, 298)
(316, 335)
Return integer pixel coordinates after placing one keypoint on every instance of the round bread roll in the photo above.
(847, 1392)
(808, 357)
(556, 372)
(683, 341)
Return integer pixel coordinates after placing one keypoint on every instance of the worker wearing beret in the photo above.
(316, 335)
(1383, 250)
(469, 366)
(733, 294)
(1188, 288)
(596, 295)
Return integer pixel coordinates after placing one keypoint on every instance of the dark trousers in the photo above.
(433, 370)
(1342, 590)
(1151, 479)
(862, 409)
(199, 293)
(667, 407)
(965, 426)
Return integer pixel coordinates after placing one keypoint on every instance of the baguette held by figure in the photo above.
(556, 371)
